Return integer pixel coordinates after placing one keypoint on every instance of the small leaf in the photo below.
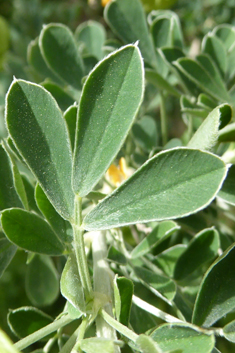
(7, 252)
(36, 60)
(127, 20)
(185, 337)
(96, 344)
(229, 331)
(106, 114)
(160, 232)
(61, 54)
(115, 255)
(70, 284)
(145, 133)
(216, 293)
(42, 282)
(33, 320)
(162, 286)
(8, 195)
(147, 344)
(227, 192)
(58, 224)
(203, 78)
(167, 259)
(157, 80)
(202, 248)
(63, 99)
(214, 47)
(36, 125)
(152, 192)
(126, 289)
(92, 35)
(30, 232)
(207, 134)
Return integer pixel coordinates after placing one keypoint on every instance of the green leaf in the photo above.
(8, 195)
(214, 47)
(160, 285)
(32, 318)
(7, 252)
(216, 295)
(32, 115)
(157, 80)
(202, 248)
(227, 192)
(204, 78)
(6, 344)
(152, 192)
(105, 115)
(96, 344)
(92, 35)
(188, 338)
(226, 33)
(126, 289)
(145, 133)
(229, 331)
(147, 344)
(61, 54)
(127, 20)
(63, 99)
(227, 134)
(115, 255)
(42, 282)
(207, 134)
(166, 30)
(70, 284)
(167, 259)
(36, 60)
(58, 224)
(205, 101)
(70, 116)
(160, 232)
(73, 312)
(30, 232)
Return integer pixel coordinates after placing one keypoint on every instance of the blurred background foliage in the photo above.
(20, 22)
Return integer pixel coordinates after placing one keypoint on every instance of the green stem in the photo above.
(79, 248)
(36, 336)
(163, 119)
(125, 331)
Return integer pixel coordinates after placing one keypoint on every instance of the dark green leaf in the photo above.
(126, 289)
(8, 195)
(152, 193)
(42, 282)
(202, 248)
(105, 115)
(145, 133)
(30, 232)
(63, 99)
(127, 20)
(7, 252)
(26, 320)
(227, 192)
(32, 115)
(214, 47)
(157, 80)
(58, 224)
(160, 285)
(61, 54)
(188, 338)
(227, 134)
(70, 116)
(167, 259)
(216, 295)
(160, 232)
(116, 256)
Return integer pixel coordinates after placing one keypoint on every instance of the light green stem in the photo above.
(163, 119)
(36, 336)
(125, 331)
(79, 248)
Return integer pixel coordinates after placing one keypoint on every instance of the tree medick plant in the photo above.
(149, 262)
